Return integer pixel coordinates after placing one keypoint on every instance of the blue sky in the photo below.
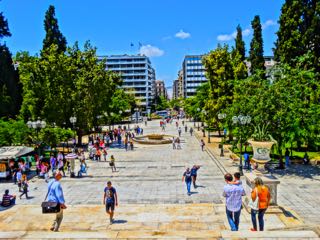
(167, 29)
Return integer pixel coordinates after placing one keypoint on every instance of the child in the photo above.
(237, 180)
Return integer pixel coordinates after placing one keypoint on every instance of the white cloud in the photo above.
(268, 23)
(229, 37)
(183, 35)
(151, 51)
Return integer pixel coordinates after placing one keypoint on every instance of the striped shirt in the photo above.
(233, 194)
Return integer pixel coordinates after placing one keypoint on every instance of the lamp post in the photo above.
(73, 120)
(37, 125)
(221, 117)
(241, 121)
(198, 110)
(120, 113)
(128, 111)
(136, 110)
(205, 114)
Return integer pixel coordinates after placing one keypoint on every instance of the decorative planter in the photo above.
(261, 150)
(261, 153)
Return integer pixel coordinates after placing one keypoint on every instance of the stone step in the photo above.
(176, 235)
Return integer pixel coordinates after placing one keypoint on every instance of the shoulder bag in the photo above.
(254, 204)
(50, 207)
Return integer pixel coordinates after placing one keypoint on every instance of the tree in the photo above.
(10, 88)
(256, 47)
(4, 28)
(162, 103)
(53, 34)
(299, 33)
(289, 44)
(220, 74)
(239, 44)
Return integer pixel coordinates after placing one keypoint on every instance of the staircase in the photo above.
(139, 221)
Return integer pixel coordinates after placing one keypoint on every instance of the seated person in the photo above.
(83, 169)
(7, 199)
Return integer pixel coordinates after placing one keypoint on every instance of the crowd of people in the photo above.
(98, 148)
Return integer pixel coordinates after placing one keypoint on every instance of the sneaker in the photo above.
(253, 230)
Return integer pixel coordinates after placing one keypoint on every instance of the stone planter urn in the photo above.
(261, 153)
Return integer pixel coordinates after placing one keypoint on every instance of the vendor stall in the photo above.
(8, 155)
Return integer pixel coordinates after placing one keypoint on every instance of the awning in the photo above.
(14, 151)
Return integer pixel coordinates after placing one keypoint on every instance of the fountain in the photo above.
(154, 138)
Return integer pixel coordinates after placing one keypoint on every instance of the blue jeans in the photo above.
(287, 161)
(260, 218)
(233, 219)
(188, 186)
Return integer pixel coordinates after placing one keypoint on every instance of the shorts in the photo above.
(110, 206)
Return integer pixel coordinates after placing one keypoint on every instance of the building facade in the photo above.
(161, 89)
(268, 63)
(175, 89)
(138, 77)
(193, 74)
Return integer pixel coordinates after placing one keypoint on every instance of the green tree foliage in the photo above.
(220, 73)
(256, 47)
(4, 28)
(299, 33)
(161, 103)
(58, 85)
(53, 33)
(240, 45)
(10, 88)
(14, 132)
(55, 135)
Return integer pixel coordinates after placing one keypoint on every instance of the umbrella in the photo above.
(71, 156)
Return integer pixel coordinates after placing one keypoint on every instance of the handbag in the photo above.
(254, 204)
(50, 207)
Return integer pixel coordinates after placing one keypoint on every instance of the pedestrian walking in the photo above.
(191, 131)
(185, 128)
(202, 144)
(104, 152)
(55, 194)
(247, 164)
(233, 194)
(179, 131)
(131, 144)
(61, 163)
(188, 179)
(178, 144)
(24, 186)
(19, 179)
(110, 200)
(126, 143)
(287, 157)
(194, 171)
(112, 164)
(53, 163)
(260, 197)
(173, 143)
(182, 122)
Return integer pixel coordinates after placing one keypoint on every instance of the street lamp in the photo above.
(198, 110)
(241, 121)
(37, 125)
(136, 109)
(222, 116)
(73, 120)
(205, 114)
(128, 111)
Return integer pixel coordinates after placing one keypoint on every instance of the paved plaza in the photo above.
(153, 200)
